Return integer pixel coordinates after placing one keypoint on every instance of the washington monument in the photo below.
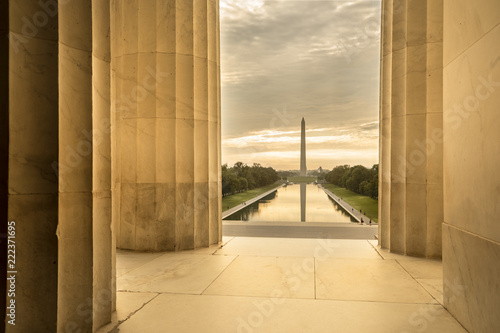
(303, 168)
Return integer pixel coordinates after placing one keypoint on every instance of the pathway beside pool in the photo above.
(348, 208)
(233, 210)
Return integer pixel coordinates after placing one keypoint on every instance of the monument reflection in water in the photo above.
(303, 193)
(294, 203)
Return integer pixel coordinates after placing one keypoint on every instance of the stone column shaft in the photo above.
(75, 229)
(104, 292)
(398, 124)
(168, 123)
(32, 159)
(385, 124)
(411, 114)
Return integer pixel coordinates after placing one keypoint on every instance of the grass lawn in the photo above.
(302, 179)
(357, 201)
(236, 199)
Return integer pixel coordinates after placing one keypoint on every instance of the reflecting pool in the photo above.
(294, 203)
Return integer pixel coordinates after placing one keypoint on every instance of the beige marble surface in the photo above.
(189, 313)
(471, 121)
(175, 273)
(471, 237)
(261, 287)
(261, 276)
(367, 280)
(411, 188)
(300, 247)
(127, 261)
(466, 22)
(470, 279)
(168, 124)
(129, 304)
(423, 268)
(433, 287)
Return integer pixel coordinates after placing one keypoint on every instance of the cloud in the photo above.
(282, 60)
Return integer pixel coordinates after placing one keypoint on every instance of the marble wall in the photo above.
(411, 144)
(471, 236)
(439, 151)
(167, 113)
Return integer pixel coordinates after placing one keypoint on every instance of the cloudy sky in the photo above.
(287, 59)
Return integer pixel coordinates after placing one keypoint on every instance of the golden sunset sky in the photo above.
(282, 60)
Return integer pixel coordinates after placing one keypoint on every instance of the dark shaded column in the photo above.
(4, 146)
(33, 156)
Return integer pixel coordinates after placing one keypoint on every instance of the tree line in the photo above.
(318, 173)
(242, 177)
(358, 179)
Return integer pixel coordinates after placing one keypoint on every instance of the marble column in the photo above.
(385, 124)
(167, 113)
(32, 158)
(411, 147)
(104, 292)
(471, 236)
(75, 229)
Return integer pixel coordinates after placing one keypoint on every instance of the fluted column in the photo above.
(167, 112)
(32, 159)
(385, 124)
(75, 291)
(104, 292)
(435, 128)
(398, 125)
(411, 204)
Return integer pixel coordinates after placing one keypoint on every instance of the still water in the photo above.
(294, 203)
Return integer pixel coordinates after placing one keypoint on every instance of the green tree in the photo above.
(243, 184)
(336, 175)
(357, 175)
(358, 179)
(241, 177)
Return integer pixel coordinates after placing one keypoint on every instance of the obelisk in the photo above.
(303, 168)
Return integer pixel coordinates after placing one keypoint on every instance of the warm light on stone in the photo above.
(411, 153)
(111, 138)
(167, 123)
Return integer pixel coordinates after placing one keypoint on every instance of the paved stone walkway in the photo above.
(274, 285)
(354, 213)
(249, 202)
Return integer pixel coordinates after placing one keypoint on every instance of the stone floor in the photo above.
(280, 285)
